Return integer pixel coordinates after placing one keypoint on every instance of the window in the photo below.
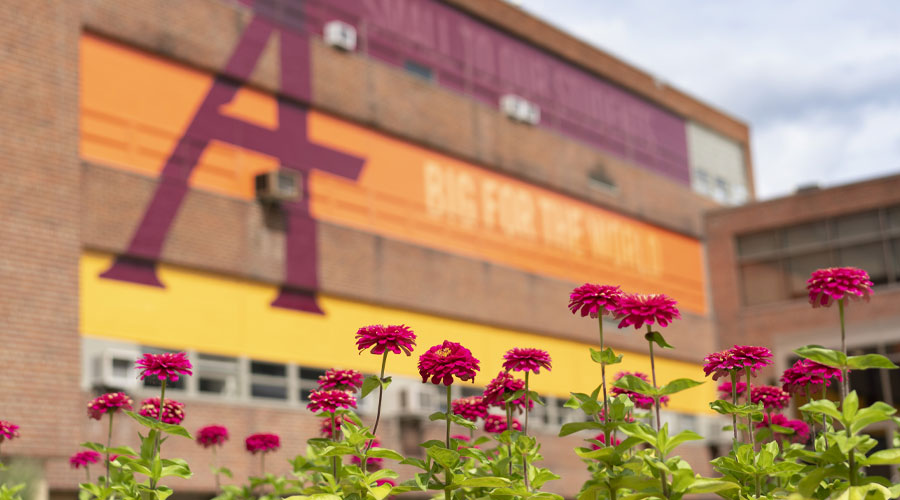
(763, 282)
(701, 182)
(720, 190)
(758, 243)
(268, 380)
(309, 381)
(861, 224)
(419, 70)
(216, 375)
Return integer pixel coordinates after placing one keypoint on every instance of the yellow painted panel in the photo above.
(228, 316)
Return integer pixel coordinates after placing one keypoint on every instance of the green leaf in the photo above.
(634, 384)
(678, 385)
(606, 356)
(175, 430)
(877, 412)
(369, 385)
(458, 420)
(681, 437)
(573, 427)
(726, 408)
(883, 457)
(703, 485)
(438, 415)
(385, 453)
(821, 355)
(485, 482)
(850, 406)
(866, 361)
(658, 339)
(443, 456)
(822, 406)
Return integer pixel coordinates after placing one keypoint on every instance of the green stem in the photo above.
(525, 431)
(662, 474)
(508, 408)
(749, 417)
(108, 444)
(603, 376)
(159, 416)
(845, 383)
(448, 474)
(756, 476)
(334, 438)
(734, 401)
(824, 419)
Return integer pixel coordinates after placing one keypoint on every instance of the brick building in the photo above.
(462, 166)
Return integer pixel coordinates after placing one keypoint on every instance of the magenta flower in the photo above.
(526, 359)
(444, 361)
(725, 390)
(801, 429)
(602, 438)
(641, 401)
(173, 411)
(637, 310)
(836, 283)
(111, 402)
(165, 366)
(339, 420)
(738, 358)
(772, 398)
(212, 435)
(470, 408)
(8, 430)
(262, 442)
(372, 463)
(503, 385)
(343, 380)
(394, 338)
(807, 376)
(385, 480)
(595, 300)
(330, 401)
(84, 459)
(495, 424)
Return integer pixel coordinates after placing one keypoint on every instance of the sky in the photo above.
(818, 81)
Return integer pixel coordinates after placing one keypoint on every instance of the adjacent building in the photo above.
(252, 181)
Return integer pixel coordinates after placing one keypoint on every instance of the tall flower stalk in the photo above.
(109, 404)
(526, 360)
(213, 436)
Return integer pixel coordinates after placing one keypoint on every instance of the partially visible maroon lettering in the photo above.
(289, 143)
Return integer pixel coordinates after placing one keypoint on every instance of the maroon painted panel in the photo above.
(473, 58)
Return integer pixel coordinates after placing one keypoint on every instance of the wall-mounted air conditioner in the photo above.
(520, 109)
(113, 368)
(278, 186)
(408, 397)
(340, 35)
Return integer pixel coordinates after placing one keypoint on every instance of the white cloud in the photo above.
(817, 80)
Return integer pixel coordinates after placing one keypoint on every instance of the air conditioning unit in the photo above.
(520, 109)
(340, 35)
(113, 368)
(278, 186)
(409, 397)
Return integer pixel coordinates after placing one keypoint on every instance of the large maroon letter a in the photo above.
(289, 143)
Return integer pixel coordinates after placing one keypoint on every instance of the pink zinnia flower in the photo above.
(503, 385)
(526, 359)
(344, 380)
(173, 411)
(444, 361)
(807, 376)
(8, 430)
(602, 438)
(641, 401)
(470, 408)
(212, 435)
(165, 366)
(595, 300)
(371, 462)
(394, 338)
(738, 358)
(84, 459)
(495, 424)
(385, 480)
(330, 401)
(637, 310)
(262, 442)
(772, 398)
(801, 429)
(111, 402)
(836, 283)
(339, 420)
(725, 390)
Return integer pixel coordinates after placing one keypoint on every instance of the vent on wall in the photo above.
(599, 178)
(520, 109)
(340, 35)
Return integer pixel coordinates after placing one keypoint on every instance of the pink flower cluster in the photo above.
(394, 338)
(800, 428)
(471, 408)
(641, 401)
(165, 366)
(330, 401)
(8, 430)
(84, 459)
(212, 435)
(262, 442)
(339, 420)
(602, 439)
(595, 300)
(173, 411)
(725, 390)
(503, 385)
(519, 359)
(445, 361)
(737, 359)
(372, 463)
(807, 376)
(344, 380)
(496, 424)
(826, 286)
(108, 403)
(771, 397)
(631, 309)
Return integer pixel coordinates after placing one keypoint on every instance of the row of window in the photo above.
(775, 264)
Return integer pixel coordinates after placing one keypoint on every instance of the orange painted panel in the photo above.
(135, 107)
